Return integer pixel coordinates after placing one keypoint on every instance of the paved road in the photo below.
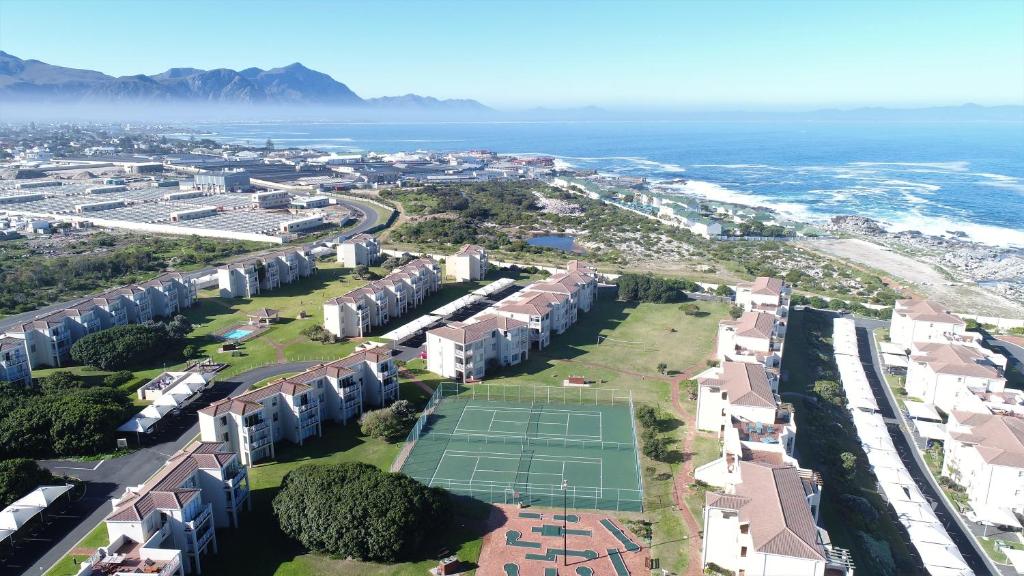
(108, 479)
(368, 218)
(903, 439)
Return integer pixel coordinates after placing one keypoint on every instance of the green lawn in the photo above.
(635, 339)
(69, 565)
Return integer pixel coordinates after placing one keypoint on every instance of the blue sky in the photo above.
(716, 55)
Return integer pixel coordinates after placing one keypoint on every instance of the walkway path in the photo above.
(685, 475)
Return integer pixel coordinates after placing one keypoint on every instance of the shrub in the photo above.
(18, 477)
(355, 510)
(318, 333)
(690, 309)
(122, 346)
(647, 416)
(118, 378)
(735, 312)
(389, 423)
(59, 381)
(830, 392)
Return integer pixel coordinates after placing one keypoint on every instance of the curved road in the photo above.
(369, 218)
(109, 478)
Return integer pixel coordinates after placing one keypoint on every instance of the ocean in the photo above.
(927, 176)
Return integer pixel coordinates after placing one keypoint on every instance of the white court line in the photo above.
(459, 423)
(498, 433)
(494, 415)
(509, 456)
(463, 481)
(439, 462)
(546, 410)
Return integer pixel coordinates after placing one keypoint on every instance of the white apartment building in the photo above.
(753, 337)
(200, 488)
(293, 408)
(544, 313)
(464, 350)
(985, 454)
(14, 366)
(764, 523)
(940, 373)
(923, 321)
(271, 199)
(764, 294)
(738, 401)
(253, 276)
(469, 263)
(48, 338)
(253, 421)
(355, 313)
(359, 250)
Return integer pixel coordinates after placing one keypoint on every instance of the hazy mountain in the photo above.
(38, 82)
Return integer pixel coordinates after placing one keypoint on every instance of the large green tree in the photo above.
(357, 510)
(18, 477)
(122, 347)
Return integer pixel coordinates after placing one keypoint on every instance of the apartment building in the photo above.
(985, 454)
(355, 313)
(252, 422)
(200, 488)
(469, 263)
(48, 338)
(542, 312)
(739, 402)
(580, 288)
(14, 365)
(764, 294)
(923, 321)
(941, 373)
(464, 350)
(753, 337)
(294, 408)
(764, 522)
(253, 276)
(169, 294)
(359, 250)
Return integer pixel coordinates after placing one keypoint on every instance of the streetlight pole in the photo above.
(565, 520)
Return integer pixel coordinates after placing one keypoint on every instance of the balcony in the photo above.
(257, 427)
(200, 519)
(257, 443)
(303, 408)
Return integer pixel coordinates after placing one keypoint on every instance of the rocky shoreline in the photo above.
(995, 268)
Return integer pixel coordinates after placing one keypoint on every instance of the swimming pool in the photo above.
(237, 334)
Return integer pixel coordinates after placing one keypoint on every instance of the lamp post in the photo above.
(565, 525)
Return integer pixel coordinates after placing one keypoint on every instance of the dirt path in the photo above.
(685, 475)
(408, 376)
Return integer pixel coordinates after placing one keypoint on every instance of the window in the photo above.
(275, 416)
(225, 437)
(223, 420)
(743, 552)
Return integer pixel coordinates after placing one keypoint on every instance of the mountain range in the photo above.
(34, 81)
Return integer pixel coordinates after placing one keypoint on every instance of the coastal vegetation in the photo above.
(35, 273)
(131, 345)
(19, 476)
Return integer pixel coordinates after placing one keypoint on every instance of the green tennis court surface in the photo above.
(511, 452)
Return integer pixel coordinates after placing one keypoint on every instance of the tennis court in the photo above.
(512, 451)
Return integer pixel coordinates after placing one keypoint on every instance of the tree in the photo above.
(363, 272)
(189, 351)
(724, 290)
(690, 309)
(735, 312)
(830, 391)
(59, 381)
(118, 378)
(356, 510)
(647, 416)
(18, 477)
(849, 461)
(383, 424)
(654, 447)
(662, 367)
(122, 347)
(178, 328)
(86, 420)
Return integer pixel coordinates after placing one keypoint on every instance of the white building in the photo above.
(355, 313)
(271, 199)
(764, 523)
(923, 321)
(360, 250)
(941, 373)
(294, 408)
(754, 337)
(469, 263)
(199, 489)
(253, 276)
(764, 294)
(464, 350)
(14, 365)
(985, 455)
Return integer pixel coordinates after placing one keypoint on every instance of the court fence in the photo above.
(548, 495)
